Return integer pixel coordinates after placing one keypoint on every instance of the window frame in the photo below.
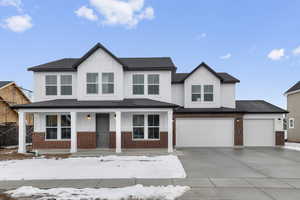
(108, 83)
(138, 84)
(58, 127)
(46, 127)
(92, 83)
(212, 93)
(51, 85)
(146, 127)
(133, 127)
(68, 127)
(291, 120)
(153, 84)
(196, 93)
(68, 84)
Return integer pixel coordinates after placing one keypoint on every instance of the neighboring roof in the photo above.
(225, 77)
(242, 106)
(138, 64)
(294, 88)
(73, 103)
(4, 83)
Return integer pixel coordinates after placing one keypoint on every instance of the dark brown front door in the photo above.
(102, 130)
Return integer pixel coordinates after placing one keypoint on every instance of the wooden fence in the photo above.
(9, 135)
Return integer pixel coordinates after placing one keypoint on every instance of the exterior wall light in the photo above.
(88, 117)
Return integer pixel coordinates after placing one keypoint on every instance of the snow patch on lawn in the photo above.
(292, 146)
(104, 167)
(133, 192)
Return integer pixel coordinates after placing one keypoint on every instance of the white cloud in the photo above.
(19, 23)
(200, 36)
(276, 54)
(14, 3)
(127, 13)
(296, 51)
(87, 13)
(225, 57)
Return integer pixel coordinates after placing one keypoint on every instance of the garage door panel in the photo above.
(197, 132)
(259, 132)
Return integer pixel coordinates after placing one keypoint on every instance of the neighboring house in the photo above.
(293, 117)
(103, 101)
(10, 95)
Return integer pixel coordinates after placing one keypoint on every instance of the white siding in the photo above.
(100, 62)
(202, 77)
(228, 95)
(164, 85)
(39, 85)
(178, 94)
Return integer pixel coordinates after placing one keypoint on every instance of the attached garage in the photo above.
(204, 132)
(259, 132)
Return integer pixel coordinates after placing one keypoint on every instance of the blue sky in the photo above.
(256, 41)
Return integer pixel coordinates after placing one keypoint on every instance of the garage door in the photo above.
(199, 132)
(259, 132)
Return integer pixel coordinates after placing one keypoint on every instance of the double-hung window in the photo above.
(65, 122)
(107, 83)
(66, 84)
(153, 126)
(208, 93)
(138, 84)
(153, 84)
(92, 83)
(51, 127)
(291, 123)
(196, 93)
(51, 85)
(138, 123)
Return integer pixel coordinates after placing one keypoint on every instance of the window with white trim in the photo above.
(51, 85)
(291, 123)
(153, 84)
(138, 124)
(196, 93)
(66, 84)
(138, 84)
(208, 93)
(107, 83)
(65, 123)
(153, 126)
(51, 127)
(92, 86)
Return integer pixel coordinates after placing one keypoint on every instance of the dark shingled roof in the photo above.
(3, 83)
(73, 103)
(294, 88)
(225, 78)
(242, 106)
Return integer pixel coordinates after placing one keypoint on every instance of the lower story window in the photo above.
(65, 126)
(138, 126)
(51, 127)
(146, 126)
(153, 126)
(58, 127)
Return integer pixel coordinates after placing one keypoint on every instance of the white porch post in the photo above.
(170, 131)
(73, 132)
(22, 133)
(118, 132)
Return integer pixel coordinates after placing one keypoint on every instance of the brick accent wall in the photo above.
(84, 140)
(128, 142)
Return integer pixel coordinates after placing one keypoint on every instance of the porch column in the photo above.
(170, 131)
(118, 132)
(22, 133)
(73, 132)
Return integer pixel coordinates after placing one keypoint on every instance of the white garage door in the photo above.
(199, 132)
(259, 132)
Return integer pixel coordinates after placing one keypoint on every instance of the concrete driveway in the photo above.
(215, 174)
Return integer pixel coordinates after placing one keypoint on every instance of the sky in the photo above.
(256, 41)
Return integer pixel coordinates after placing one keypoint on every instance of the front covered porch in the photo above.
(98, 128)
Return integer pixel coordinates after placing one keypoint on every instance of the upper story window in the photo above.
(208, 93)
(196, 92)
(92, 83)
(153, 84)
(138, 84)
(66, 84)
(291, 123)
(51, 85)
(107, 83)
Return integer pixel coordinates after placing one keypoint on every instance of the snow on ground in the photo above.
(292, 146)
(133, 192)
(104, 167)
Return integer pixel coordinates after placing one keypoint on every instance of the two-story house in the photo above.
(103, 101)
